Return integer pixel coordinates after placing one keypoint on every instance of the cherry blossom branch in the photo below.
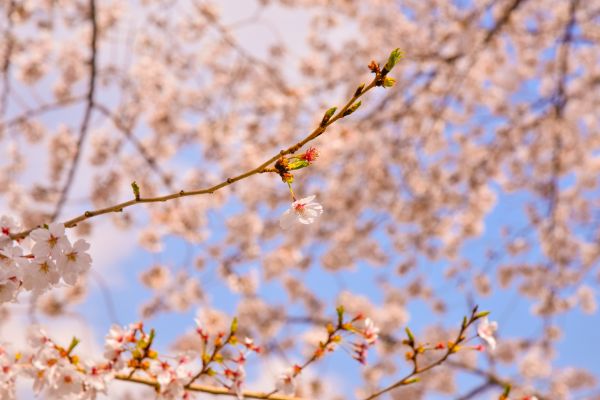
(491, 378)
(453, 347)
(210, 389)
(330, 117)
(87, 113)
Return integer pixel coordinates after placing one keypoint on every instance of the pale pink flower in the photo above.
(8, 375)
(486, 330)
(74, 261)
(95, 381)
(304, 211)
(115, 341)
(371, 332)
(7, 227)
(40, 274)
(286, 383)
(162, 371)
(49, 241)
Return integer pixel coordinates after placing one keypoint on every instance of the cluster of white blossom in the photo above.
(56, 372)
(48, 259)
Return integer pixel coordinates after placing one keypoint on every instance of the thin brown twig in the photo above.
(259, 169)
(452, 348)
(491, 377)
(209, 389)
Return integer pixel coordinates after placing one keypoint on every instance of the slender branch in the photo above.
(477, 390)
(87, 113)
(210, 389)
(6, 66)
(452, 348)
(39, 110)
(259, 169)
(503, 20)
(492, 378)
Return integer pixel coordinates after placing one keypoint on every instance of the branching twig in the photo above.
(411, 377)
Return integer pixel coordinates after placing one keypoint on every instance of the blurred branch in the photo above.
(8, 39)
(503, 20)
(39, 110)
(492, 378)
(476, 391)
(149, 159)
(87, 113)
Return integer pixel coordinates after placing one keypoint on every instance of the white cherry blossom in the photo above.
(304, 211)
(74, 261)
(286, 383)
(40, 274)
(486, 330)
(51, 241)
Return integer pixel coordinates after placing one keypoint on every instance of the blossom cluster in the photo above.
(55, 370)
(42, 261)
(58, 373)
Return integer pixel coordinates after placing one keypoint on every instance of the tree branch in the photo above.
(259, 169)
(87, 113)
(166, 180)
(210, 389)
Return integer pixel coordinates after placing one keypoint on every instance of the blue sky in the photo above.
(511, 310)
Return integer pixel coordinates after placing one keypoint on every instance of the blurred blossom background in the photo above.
(473, 181)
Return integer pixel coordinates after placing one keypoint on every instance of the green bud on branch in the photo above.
(74, 342)
(481, 314)
(136, 190)
(340, 314)
(411, 337)
(328, 114)
(388, 82)
(234, 325)
(359, 90)
(393, 59)
(298, 164)
(352, 108)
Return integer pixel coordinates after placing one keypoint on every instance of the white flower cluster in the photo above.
(49, 258)
(58, 373)
(55, 371)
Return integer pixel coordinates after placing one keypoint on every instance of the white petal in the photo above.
(307, 200)
(306, 219)
(40, 235)
(310, 213)
(57, 229)
(316, 206)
